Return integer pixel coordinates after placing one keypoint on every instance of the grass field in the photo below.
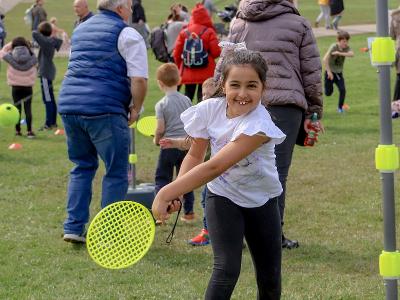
(333, 207)
(356, 12)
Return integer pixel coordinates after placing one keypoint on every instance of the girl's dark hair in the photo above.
(21, 41)
(244, 57)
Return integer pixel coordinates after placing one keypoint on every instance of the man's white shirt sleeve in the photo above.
(132, 48)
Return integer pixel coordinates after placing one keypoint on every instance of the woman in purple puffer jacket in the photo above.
(294, 91)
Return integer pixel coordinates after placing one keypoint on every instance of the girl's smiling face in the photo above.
(243, 89)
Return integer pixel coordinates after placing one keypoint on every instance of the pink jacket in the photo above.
(20, 78)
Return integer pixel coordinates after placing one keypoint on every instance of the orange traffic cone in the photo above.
(59, 132)
(15, 146)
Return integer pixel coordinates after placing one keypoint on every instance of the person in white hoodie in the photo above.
(21, 75)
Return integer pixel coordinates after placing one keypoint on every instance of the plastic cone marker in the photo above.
(15, 146)
(59, 132)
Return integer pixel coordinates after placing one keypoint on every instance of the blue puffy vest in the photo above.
(96, 81)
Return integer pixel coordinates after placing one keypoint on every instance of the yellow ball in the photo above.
(9, 115)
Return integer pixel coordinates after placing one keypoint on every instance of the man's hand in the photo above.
(330, 75)
(138, 90)
(133, 116)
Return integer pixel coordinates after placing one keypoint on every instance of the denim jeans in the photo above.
(168, 160)
(88, 137)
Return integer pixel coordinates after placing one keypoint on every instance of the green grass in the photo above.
(356, 12)
(333, 209)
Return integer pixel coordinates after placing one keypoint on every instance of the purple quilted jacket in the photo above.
(286, 41)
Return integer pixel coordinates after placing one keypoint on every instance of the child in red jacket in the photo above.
(200, 25)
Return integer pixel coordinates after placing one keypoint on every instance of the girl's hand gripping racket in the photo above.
(120, 235)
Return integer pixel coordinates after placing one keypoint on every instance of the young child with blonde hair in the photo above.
(169, 125)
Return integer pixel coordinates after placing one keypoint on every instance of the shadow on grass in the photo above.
(335, 259)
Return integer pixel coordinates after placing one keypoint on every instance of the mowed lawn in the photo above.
(333, 205)
(356, 12)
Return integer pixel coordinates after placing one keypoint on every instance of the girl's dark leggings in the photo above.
(228, 223)
(22, 96)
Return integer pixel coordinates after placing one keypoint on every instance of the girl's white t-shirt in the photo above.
(254, 180)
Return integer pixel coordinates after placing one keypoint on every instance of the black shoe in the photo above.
(289, 244)
(44, 127)
(47, 128)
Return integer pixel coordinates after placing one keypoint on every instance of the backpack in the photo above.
(158, 43)
(194, 55)
(28, 18)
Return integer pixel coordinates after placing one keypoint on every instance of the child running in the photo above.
(241, 176)
(168, 110)
(334, 62)
(21, 76)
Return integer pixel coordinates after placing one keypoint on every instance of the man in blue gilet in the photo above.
(107, 69)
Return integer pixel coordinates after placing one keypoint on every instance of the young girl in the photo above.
(21, 75)
(241, 177)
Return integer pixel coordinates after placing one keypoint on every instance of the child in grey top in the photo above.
(170, 107)
(169, 125)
